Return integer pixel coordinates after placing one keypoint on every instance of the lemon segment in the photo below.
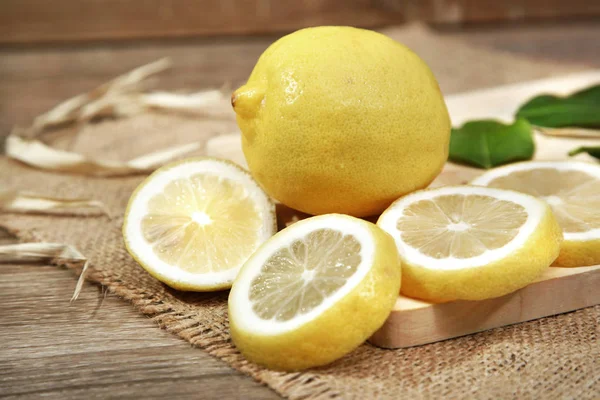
(308, 272)
(192, 224)
(296, 301)
(470, 243)
(459, 226)
(572, 189)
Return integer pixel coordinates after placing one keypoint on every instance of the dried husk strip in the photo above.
(39, 252)
(16, 201)
(121, 97)
(38, 154)
(74, 108)
(570, 132)
(207, 103)
(45, 253)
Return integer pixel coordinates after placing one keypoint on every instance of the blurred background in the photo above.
(34, 21)
(52, 50)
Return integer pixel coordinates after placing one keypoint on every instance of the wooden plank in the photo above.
(573, 40)
(413, 322)
(41, 20)
(97, 347)
(27, 21)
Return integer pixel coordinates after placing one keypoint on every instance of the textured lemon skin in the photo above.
(574, 253)
(175, 284)
(337, 331)
(341, 120)
(493, 280)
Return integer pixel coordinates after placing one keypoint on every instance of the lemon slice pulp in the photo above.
(572, 189)
(296, 301)
(459, 226)
(297, 279)
(193, 224)
(470, 243)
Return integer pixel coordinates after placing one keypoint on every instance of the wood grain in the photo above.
(27, 21)
(560, 42)
(75, 20)
(97, 347)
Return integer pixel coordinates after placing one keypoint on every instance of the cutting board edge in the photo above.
(543, 298)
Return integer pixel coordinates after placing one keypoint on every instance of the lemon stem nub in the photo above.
(246, 101)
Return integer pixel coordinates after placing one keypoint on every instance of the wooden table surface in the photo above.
(99, 346)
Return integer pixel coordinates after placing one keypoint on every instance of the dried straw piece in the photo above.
(39, 252)
(121, 97)
(53, 253)
(73, 109)
(570, 132)
(124, 96)
(27, 202)
(35, 153)
(207, 103)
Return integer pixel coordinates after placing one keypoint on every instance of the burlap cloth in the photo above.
(557, 357)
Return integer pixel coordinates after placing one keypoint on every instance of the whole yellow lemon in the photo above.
(344, 120)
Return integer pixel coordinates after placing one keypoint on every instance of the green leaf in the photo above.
(581, 109)
(490, 143)
(592, 151)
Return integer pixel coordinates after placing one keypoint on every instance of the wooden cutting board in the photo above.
(413, 322)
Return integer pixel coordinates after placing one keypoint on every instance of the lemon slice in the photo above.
(314, 292)
(471, 243)
(573, 191)
(192, 224)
